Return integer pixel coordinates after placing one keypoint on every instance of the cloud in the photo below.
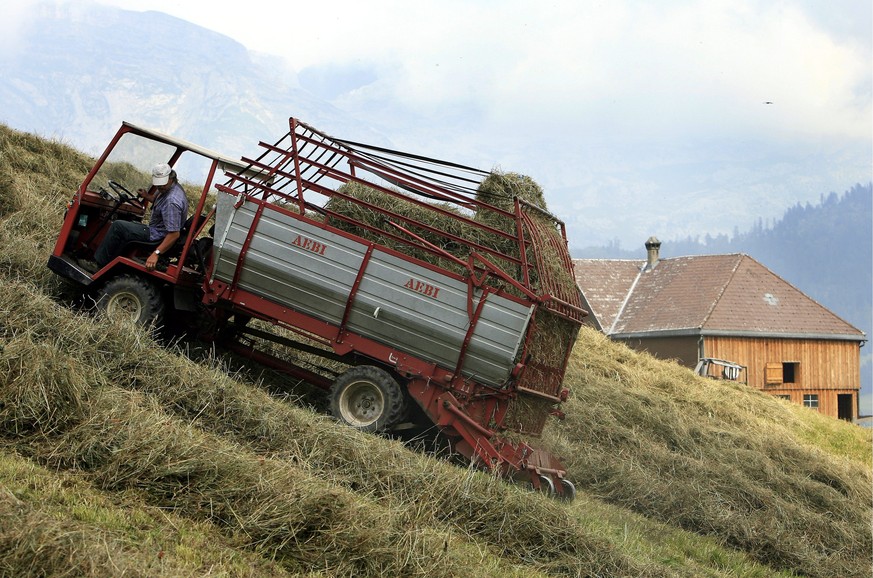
(613, 71)
(13, 25)
(683, 68)
(608, 105)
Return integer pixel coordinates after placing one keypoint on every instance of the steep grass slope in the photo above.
(121, 457)
(719, 459)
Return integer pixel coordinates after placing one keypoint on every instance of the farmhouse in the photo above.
(729, 317)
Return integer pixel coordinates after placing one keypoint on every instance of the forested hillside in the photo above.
(121, 456)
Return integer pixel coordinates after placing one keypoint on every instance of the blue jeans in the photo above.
(119, 234)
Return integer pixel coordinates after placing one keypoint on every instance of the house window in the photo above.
(781, 372)
(790, 372)
(810, 400)
(782, 396)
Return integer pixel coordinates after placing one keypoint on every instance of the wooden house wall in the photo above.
(827, 399)
(822, 364)
(824, 368)
(684, 350)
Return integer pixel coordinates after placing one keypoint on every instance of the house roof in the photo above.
(706, 294)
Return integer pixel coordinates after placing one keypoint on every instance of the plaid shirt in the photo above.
(169, 212)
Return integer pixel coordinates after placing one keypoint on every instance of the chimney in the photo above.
(653, 246)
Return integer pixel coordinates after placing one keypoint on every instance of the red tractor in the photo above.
(440, 305)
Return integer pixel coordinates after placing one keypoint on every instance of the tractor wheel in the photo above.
(367, 398)
(568, 491)
(134, 298)
(543, 484)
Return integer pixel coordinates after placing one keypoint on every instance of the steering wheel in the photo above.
(122, 195)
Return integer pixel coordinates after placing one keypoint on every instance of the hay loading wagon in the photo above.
(444, 302)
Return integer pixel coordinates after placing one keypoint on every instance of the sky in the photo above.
(673, 118)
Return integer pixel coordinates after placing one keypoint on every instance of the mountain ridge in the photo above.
(78, 70)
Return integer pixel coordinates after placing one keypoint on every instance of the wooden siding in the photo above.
(827, 399)
(821, 364)
(820, 367)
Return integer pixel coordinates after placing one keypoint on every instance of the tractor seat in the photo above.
(148, 246)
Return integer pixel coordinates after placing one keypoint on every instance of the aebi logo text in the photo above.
(309, 245)
(425, 289)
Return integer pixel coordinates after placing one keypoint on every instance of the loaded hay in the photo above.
(371, 213)
(500, 189)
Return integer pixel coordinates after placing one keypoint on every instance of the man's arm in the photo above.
(148, 195)
(166, 244)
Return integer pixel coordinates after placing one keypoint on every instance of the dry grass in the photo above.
(59, 524)
(716, 458)
(362, 492)
(111, 446)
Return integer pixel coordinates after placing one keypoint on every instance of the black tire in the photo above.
(367, 398)
(132, 296)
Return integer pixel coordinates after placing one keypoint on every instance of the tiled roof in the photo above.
(605, 283)
(707, 294)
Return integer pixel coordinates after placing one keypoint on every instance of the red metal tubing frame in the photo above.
(388, 173)
(495, 453)
(69, 222)
(279, 365)
(522, 248)
(423, 244)
(354, 292)
(564, 305)
(381, 171)
(471, 329)
(292, 122)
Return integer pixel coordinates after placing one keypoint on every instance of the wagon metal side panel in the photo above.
(425, 313)
(398, 303)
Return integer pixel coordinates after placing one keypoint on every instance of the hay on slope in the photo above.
(264, 457)
(55, 524)
(606, 444)
(717, 458)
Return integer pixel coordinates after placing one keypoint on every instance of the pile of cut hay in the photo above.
(374, 224)
(499, 189)
(96, 397)
(717, 457)
(58, 524)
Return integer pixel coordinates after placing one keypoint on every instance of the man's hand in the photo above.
(152, 261)
(148, 196)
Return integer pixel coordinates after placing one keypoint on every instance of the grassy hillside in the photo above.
(122, 457)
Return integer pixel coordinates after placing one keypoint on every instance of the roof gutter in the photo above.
(696, 332)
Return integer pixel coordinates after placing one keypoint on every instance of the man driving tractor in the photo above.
(169, 211)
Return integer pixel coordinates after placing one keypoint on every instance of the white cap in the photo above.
(161, 174)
